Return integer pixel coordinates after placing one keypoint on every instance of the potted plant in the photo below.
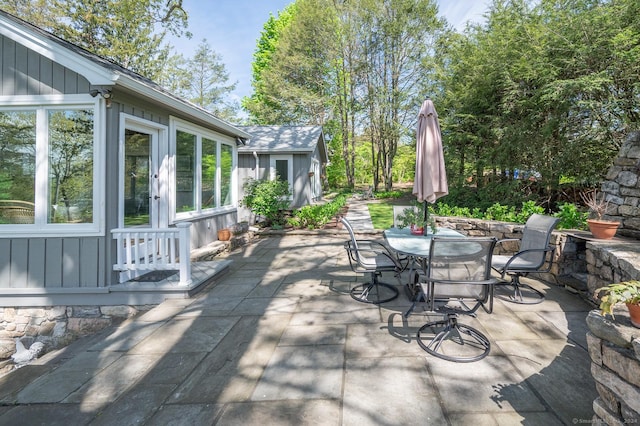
(224, 234)
(413, 217)
(627, 292)
(601, 229)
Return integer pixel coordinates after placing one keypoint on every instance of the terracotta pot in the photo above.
(634, 314)
(417, 230)
(603, 229)
(224, 234)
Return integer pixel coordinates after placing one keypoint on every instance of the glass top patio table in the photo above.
(404, 242)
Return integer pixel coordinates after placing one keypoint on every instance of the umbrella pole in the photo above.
(426, 218)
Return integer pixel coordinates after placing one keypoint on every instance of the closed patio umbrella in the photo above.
(430, 181)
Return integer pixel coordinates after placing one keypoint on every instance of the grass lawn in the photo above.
(381, 215)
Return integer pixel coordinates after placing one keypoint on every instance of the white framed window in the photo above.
(51, 171)
(204, 171)
(281, 166)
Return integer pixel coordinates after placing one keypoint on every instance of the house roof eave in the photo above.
(101, 73)
(178, 104)
(32, 38)
(248, 150)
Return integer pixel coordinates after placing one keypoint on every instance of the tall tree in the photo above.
(363, 63)
(202, 79)
(546, 88)
(398, 48)
(208, 82)
(348, 77)
(42, 13)
(258, 104)
(128, 32)
(297, 84)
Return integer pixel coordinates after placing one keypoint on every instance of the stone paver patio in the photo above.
(278, 341)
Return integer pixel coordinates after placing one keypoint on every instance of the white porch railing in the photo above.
(153, 249)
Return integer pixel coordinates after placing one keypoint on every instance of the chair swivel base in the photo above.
(374, 292)
(523, 294)
(449, 340)
(412, 288)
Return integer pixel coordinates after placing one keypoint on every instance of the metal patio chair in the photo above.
(457, 274)
(372, 257)
(534, 255)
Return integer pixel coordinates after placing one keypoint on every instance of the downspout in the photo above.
(255, 155)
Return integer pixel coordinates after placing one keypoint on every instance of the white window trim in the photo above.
(272, 170)
(176, 124)
(42, 103)
(272, 166)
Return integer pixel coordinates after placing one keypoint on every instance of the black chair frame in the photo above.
(449, 328)
(371, 257)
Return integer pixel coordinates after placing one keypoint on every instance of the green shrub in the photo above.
(501, 212)
(571, 217)
(510, 193)
(388, 194)
(444, 209)
(496, 211)
(268, 199)
(317, 216)
(528, 208)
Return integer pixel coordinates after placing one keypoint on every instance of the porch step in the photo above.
(150, 292)
(209, 251)
(576, 280)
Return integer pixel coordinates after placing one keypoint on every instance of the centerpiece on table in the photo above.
(414, 218)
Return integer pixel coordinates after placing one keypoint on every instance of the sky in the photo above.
(232, 27)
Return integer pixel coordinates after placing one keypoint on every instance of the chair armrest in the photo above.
(427, 280)
(508, 240)
(374, 246)
(368, 247)
(519, 254)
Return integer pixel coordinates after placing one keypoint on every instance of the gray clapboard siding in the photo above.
(25, 72)
(21, 67)
(92, 270)
(36, 256)
(70, 262)
(19, 263)
(52, 262)
(5, 262)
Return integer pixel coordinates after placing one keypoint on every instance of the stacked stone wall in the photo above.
(621, 188)
(611, 262)
(55, 326)
(614, 348)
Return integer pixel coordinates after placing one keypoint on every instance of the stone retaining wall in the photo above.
(611, 262)
(622, 188)
(614, 348)
(56, 326)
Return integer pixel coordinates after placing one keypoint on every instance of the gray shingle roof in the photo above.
(282, 138)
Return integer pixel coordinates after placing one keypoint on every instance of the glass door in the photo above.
(140, 179)
(143, 176)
